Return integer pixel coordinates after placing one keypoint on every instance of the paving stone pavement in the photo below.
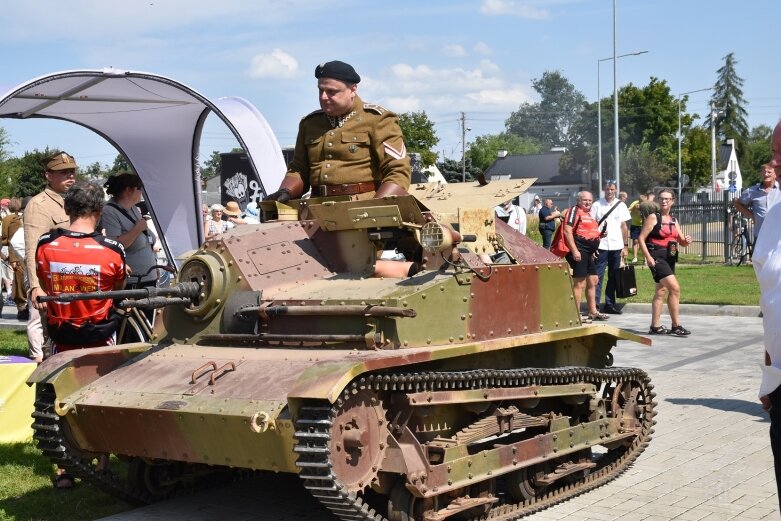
(709, 458)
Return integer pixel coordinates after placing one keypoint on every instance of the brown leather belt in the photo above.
(344, 189)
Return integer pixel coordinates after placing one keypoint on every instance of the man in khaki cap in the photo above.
(44, 212)
(348, 147)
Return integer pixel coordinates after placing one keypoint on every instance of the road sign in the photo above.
(733, 175)
(684, 180)
(733, 188)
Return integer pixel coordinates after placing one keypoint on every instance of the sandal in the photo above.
(598, 316)
(63, 481)
(658, 330)
(585, 319)
(679, 330)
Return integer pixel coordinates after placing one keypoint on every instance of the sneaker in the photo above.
(612, 310)
(634, 261)
(658, 330)
(679, 330)
(23, 315)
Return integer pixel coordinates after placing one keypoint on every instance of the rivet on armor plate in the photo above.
(428, 340)
(423, 296)
(452, 339)
(450, 482)
(230, 262)
(463, 317)
(442, 288)
(460, 337)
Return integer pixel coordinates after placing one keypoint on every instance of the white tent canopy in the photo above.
(155, 123)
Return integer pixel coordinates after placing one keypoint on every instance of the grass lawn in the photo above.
(26, 492)
(704, 284)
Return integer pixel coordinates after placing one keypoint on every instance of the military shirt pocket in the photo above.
(60, 223)
(313, 147)
(356, 144)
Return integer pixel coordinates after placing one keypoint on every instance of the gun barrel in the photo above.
(180, 290)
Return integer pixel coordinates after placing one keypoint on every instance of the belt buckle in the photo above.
(323, 190)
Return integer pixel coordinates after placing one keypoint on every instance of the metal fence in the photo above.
(712, 225)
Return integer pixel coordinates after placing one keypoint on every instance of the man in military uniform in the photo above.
(44, 212)
(348, 147)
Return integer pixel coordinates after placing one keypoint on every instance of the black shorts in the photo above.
(634, 231)
(664, 266)
(587, 264)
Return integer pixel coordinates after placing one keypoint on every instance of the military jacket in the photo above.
(369, 146)
(43, 213)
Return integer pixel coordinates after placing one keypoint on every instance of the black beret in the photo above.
(337, 70)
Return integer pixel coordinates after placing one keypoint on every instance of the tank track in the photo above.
(48, 432)
(315, 420)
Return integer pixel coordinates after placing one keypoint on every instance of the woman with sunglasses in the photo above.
(659, 240)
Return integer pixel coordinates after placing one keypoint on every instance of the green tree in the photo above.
(419, 135)
(549, 121)
(728, 99)
(483, 151)
(756, 153)
(212, 166)
(696, 156)
(642, 169)
(27, 172)
(94, 171)
(120, 165)
(452, 172)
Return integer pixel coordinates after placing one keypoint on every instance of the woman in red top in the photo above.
(659, 241)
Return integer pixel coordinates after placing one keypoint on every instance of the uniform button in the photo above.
(331, 133)
(328, 165)
(355, 138)
(330, 144)
(329, 156)
(325, 176)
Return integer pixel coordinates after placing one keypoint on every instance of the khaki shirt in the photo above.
(43, 212)
(11, 224)
(369, 146)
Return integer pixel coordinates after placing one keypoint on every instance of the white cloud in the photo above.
(277, 64)
(517, 8)
(407, 104)
(483, 48)
(454, 51)
(511, 97)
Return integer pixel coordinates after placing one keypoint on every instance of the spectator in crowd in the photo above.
(548, 215)
(376, 167)
(659, 241)
(536, 206)
(513, 215)
(767, 266)
(613, 215)
(756, 199)
(236, 216)
(43, 213)
(78, 258)
(12, 224)
(623, 197)
(6, 272)
(216, 225)
(636, 224)
(122, 220)
(582, 235)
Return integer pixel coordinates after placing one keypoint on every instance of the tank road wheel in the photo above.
(523, 485)
(154, 479)
(358, 441)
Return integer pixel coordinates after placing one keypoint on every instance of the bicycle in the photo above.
(740, 245)
(135, 325)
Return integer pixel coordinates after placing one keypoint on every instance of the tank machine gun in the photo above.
(469, 390)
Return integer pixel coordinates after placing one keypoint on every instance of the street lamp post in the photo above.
(680, 136)
(599, 116)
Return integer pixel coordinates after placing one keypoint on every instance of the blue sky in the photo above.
(441, 56)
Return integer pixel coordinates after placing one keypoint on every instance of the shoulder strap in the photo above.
(126, 214)
(608, 213)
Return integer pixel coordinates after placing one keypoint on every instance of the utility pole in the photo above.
(713, 147)
(463, 148)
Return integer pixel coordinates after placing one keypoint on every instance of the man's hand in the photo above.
(34, 294)
(766, 405)
(282, 195)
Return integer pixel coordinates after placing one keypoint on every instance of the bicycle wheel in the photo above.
(738, 250)
(131, 331)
